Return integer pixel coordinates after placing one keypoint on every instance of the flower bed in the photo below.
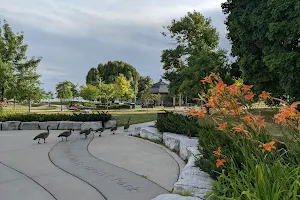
(244, 157)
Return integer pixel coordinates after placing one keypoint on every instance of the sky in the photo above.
(73, 36)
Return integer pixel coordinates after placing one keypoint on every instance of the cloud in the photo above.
(72, 36)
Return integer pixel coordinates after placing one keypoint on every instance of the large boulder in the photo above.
(54, 125)
(93, 125)
(110, 124)
(77, 125)
(174, 197)
(151, 133)
(185, 143)
(172, 141)
(11, 125)
(65, 125)
(193, 180)
(29, 126)
(136, 131)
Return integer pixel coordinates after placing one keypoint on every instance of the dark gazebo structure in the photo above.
(162, 90)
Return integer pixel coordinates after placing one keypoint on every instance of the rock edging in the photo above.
(55, 125)
(192, 179)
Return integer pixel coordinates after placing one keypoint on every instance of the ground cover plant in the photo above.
(246, 159)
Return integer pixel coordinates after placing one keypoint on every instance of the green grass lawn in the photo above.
(24, 108)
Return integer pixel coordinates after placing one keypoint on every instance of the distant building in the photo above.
(162, 90)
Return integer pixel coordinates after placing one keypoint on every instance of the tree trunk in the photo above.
(14, 104)
(2, 94)
(107, 104)
(61, 105)
(29, 105)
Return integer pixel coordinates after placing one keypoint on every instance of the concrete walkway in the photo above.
(68, 171)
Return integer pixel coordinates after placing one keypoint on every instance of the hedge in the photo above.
(55, 117)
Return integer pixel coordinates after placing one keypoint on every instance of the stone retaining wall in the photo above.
(192, 179)
(55, 125)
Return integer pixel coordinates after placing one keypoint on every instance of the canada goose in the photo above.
(101, 130)
(85, 132)
(126, 127)
(43, 135)
(66, 134)
(113, 129)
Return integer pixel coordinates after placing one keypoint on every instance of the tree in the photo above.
(89, 92)
(108, 72)
(195, 54)
(92, 78)
(49, 96)
(147, 96)
(107, 92)
(13, 61)
(123, 89)
(265, 39)
(63, 92)
(75, 92)
(144, 82)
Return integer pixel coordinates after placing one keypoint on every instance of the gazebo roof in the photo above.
(160, 87)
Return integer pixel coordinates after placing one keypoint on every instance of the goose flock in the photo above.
(67, 133)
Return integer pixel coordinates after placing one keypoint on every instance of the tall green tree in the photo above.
(64, 92)
(49, 96)
(75, 91)
(265, 39)
(107, 73)
(108, 92)
(144, 82)
(89, 92)
(13, 60)
(194, 56)
(123, 89)
(92, 77)
(147, 96)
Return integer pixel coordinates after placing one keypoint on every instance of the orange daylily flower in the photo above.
(220, 86)
(220, 162)
(246, 88)
(222, 126)
(240, 129)
(233, 89)
(200, 114)
(268, 146)
(207, 80)
(261, 124)
(210, 103)
(247, 119)
(249, 96)
(265, 95)
(192, 112)
(237, 111)
(218, 152)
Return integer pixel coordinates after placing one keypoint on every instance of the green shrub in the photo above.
(55, 117)
(113, 106)
(177, 123)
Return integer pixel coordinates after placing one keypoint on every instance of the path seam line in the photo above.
(30, 179)
(121, 167)
(73, 174)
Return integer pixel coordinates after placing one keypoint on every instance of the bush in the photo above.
(113, 107)
(55, 117)
(177, 123)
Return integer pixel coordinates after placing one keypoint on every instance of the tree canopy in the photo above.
(144, 82)
(195, 54)
(265, 38)
(89, 92)
(107, 73)
(18, 76)
(123, 89)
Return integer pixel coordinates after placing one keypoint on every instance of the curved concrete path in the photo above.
(68, 171)
(138, 156)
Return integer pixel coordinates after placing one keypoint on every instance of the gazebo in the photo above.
(162, 90)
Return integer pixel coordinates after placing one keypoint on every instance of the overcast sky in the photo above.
(74, 35)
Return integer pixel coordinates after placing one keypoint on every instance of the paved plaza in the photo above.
(113, 167)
